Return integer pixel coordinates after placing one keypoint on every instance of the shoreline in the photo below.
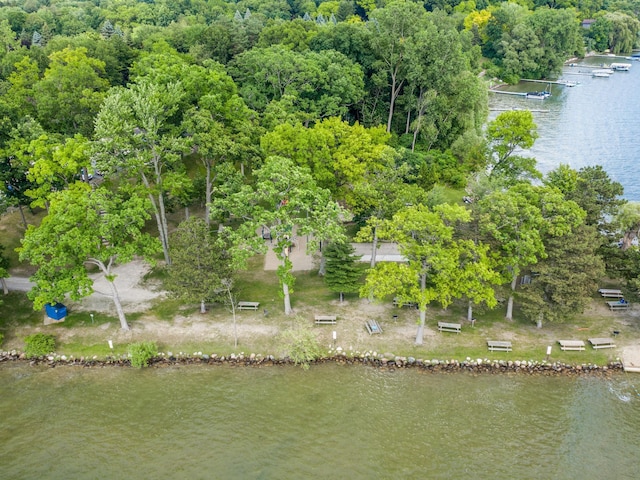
(478, 366)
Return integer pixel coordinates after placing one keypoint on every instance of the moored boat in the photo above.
(621, 67)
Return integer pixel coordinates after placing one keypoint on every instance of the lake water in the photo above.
(329, 422)
(594, 123)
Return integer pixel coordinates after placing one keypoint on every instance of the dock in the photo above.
(520, 94)
(532, 110)
(564, 83)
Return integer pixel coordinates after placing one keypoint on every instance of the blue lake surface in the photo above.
(594, 123)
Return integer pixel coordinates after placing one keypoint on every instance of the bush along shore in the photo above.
(387, 361)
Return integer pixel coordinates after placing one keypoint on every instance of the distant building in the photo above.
(586, 23)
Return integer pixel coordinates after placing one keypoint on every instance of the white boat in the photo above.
(538, 95)
(602, 72)
(621, 67)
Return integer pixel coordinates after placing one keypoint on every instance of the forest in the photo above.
(341, 121)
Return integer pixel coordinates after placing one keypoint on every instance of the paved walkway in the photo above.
(302, 261)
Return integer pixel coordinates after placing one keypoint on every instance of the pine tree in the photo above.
(107, 29)
(342, 272)
(36, 39)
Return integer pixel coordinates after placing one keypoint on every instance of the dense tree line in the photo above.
(292, 118)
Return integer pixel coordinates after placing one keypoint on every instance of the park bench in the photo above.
(571, 344)
(610, 293)
(499, 346)
(597, 343)
(449, 327)
(619, 305)
(248, 305)
(396, 303)
(372, 327)
(326, 319)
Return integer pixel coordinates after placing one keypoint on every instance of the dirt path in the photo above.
(135, 296)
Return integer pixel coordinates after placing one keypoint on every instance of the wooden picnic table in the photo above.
(610, 293)
(571, 345)
(449, 327)
(372, 327)
(597, 343)
(396, 303)
(619, 305)
(326, 319)
(499, 346)
(248, 305)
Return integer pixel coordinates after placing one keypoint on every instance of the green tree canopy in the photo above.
(85, 227)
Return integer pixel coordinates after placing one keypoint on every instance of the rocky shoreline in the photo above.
(386, 361)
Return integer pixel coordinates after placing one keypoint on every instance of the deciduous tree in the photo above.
(426, 238)
(286, 201)
(85, 227)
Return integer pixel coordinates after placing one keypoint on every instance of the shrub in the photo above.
(39, 344)
(303, 346)
(141, 353)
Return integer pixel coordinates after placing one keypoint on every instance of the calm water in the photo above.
(594, 123)
(329, 422)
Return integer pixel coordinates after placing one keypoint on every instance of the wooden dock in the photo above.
(532, 110)
(552, 82)
(520, 94)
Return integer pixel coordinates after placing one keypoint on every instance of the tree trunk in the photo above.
(470, 311)
(509, 315)
(116, 300)
(322, 270)
(156, 212)
(392, 101)
(207, 195)
(287, 299)
(24, 219)
(420, 334)
(114, 291)
(341, 297)
(539, 321)
(233, 312)
(202, 307)
(165, 229)
(374, 247)
(5, 288)
(186, 213)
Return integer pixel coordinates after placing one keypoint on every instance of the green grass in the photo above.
(12, 231)
(168, 308)
(16, 310)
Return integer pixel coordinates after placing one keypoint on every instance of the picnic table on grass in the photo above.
(499, 346)
(248, 305)
(372, 327)
(597, 343)
(571, 345)
(326, 319)
(610, 293)
(619, 305)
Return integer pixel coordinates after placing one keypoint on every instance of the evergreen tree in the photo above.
(563, 283)
(107, 29)
(36, 39)
(200, 263)
(342, 271)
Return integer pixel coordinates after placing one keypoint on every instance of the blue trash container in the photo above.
(56, 311)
